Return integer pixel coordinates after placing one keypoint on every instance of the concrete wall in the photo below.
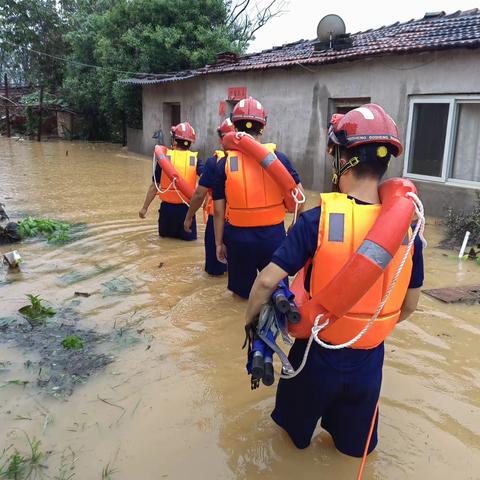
(136, 143)
(299, 103)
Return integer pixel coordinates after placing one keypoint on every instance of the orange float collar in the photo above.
(273, 166)
(171, 172)
(372, 257)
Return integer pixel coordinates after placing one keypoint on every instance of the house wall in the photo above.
(298, 102)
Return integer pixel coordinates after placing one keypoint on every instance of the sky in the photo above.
(302, 17)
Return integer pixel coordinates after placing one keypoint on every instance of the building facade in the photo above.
(432, 90)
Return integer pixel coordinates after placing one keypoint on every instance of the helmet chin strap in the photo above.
(339, 169)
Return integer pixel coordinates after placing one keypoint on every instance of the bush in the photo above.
(458, 222)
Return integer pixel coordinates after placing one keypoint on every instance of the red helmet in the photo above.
(225, 127)
(183, 131)
(363, 125)
(249, 109)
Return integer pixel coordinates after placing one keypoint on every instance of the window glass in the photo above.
(427, 142)
(466, 158)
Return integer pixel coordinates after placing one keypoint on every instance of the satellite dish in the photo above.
(330, 27)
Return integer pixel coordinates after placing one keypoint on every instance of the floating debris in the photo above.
(82, 294)
(467, 294)
(13, 259)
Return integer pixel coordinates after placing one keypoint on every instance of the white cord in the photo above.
(178, 193)
(316, 329)
(172, 183)
(298, 202)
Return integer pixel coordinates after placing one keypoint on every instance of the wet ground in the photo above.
(176, 401)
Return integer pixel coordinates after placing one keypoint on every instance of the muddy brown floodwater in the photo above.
(176, 402)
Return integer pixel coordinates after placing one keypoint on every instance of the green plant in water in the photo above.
(20, 467)
(53, 230)
(72, 342)
(36, 313)
(107, 472)
(14, 468)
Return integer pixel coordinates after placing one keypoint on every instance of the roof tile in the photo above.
(456, 30)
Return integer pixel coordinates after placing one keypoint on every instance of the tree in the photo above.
(139, 36)
(83, 47)
(27, 27)
(246, 17)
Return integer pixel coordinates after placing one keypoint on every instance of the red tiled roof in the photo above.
(433, 32)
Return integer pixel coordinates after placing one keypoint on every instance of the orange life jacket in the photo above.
(343, 227)
(253, 197)
(185, 163)
(208, 205)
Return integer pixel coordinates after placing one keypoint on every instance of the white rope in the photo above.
(316, 329)
(168, 189)
(298, 202)
(179, 194)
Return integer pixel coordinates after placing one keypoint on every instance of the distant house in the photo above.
(425, 73)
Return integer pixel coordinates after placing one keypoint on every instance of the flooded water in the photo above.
(176, 402)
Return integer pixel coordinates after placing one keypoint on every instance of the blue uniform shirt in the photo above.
(301, 244)
(207, 179)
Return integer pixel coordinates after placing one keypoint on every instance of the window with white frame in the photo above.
(443, 139)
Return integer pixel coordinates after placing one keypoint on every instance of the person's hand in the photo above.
(142, 213)
(222, 253)
(187, 224)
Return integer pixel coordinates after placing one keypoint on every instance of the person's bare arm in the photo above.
(265, 284)
(151, 193)
(195, 203)
(219, 207)
(410, 303)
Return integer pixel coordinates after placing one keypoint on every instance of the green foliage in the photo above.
(55, 231)
(72, 342)
(36, 313)
(38, 25)
(458, 222)
(48, 99)
(103, 41)
(138, 36)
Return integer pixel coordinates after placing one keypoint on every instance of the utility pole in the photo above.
(7, 110)
(39, 131)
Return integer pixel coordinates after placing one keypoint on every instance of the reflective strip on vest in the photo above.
(336, 231)
(234, 164)
(268, 160)
(375, 253)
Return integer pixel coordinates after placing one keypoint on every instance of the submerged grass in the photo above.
(18, 466)
(108, 471)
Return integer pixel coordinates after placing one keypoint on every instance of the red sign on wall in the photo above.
(237, 93)
(222, 108)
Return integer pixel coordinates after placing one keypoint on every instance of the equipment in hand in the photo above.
(272, 321)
